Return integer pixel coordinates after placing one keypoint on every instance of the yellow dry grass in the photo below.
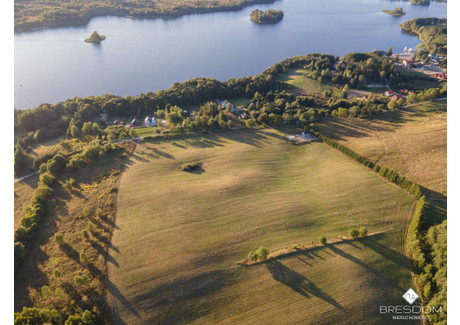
(179, 235)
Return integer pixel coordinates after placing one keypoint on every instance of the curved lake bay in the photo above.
(148, 55)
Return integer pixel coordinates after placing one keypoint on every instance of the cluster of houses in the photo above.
(395, 96)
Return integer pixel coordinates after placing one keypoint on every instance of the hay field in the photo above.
(179, 235)
(412, 141)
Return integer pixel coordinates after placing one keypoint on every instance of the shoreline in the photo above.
(170, 13)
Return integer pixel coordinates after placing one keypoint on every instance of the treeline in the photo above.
(29, 15)
(427, 245)
(269, 16)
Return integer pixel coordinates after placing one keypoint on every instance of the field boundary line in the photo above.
(290, 251)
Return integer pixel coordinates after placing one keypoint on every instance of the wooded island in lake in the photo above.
(95, 38)
(395, 12)
(269, 16)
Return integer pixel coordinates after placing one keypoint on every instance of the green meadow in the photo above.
(179, 235)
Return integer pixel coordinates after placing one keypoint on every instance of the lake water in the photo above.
(148, 55)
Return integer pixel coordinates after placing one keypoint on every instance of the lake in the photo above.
(141, 55)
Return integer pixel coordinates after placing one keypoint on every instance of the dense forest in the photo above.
(268, 16)
(29, 14)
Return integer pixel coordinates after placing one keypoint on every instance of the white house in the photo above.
(150, 121)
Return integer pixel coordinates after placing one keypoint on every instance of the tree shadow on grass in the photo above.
(115, 292)
(180, 301)
(298, 282)
(179, 145)
(163, 154)
(70, 252)
(250, 137)
(378, 275)
(384, 251)
(301, 259)
(22, 281)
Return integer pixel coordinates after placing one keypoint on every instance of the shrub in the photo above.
(85, 212)
(59, 293)
(262, 253)
(91, 227)
(83, 258)
(57, 273)
(362, 232)
(252, 256)
(59, 239)
(46, 292)
(99, 212)
(21, 234)
(294, 246)
(69, 184)
(323, 240)
(42, 193)
(85, 234)
(81, 280)
(56, 164)
(189, 167)
(85, 318)
(354, 233)
(47, 179)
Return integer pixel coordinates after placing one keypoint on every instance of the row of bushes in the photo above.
(262, 253)
(414, 240)
(45, 316)
(343, 149)
(389, 174)
(90, 154)
(402, 182)
(34, 214)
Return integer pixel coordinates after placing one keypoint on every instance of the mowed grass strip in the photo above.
(179, 235)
